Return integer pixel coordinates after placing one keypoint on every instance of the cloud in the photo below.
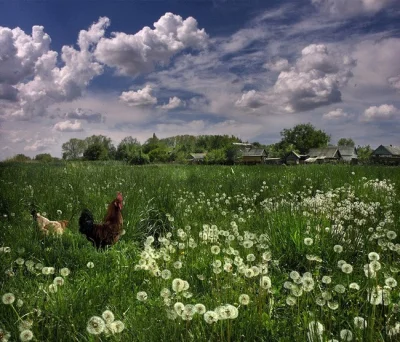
(351, 7)
(40, 145)
(277, 64)
(84, 114)
(250, 100)
(174, 102)
(314, 80)
(395, 82)
(141, 52)
(68, 126)
(19, 52)
(52, 84)
(336, 114)
(140, 98)
(383, 112)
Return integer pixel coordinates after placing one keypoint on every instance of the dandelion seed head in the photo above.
(95, 325)
(26, 335)
(8, 298)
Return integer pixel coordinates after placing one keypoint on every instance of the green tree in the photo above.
(216, 157)
(152, 144)
(73, 149)
(364, 153)
(127, 148)
(159, 155)
(44, 157)
(19, 158)
(139, 158)
(346, 142)
(96, 151)
(303, 137)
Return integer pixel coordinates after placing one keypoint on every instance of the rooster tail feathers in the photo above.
(86, 222)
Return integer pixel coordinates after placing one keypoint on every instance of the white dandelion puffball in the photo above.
(26, 335)
(108, 316)
(95, 325)
(8, 298)
(142, 296)
(90, 264)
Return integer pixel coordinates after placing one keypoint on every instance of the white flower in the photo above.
(179, 307)
(308, 241)
(391, 282)
(244, 299)
(265, 282)
(373, 256)
(215, 249)
(200, 309)
(165, 274)
(8, 298)
(95, 325)
(360, 323)
(65, 271)
(347, 268)
(178, 285)
(90, 264)
(142, 296)
(346, 335)
(211, 317)
(26, 335)
(108, 316)
(354, 286)
(59, 281)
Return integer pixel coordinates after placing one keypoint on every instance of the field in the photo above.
(247, 254)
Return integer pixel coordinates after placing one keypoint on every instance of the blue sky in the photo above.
(245, 67)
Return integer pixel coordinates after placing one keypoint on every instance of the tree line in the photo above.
(220, 148)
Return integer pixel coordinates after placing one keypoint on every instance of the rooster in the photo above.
(49, 227)
(109, 231)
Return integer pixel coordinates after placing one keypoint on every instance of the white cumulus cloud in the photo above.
(68, 126)
(395, 82)
(250, 100)
(133, 54)
(40, 145)
(278, 64)
(383, 112)
(314, 80)
(174, 102)
(338, 113)
(140, 98)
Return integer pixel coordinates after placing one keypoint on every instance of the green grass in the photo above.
(272, 208)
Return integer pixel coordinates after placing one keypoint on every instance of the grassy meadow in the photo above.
(246, 253)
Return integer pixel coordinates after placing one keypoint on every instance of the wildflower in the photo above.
(251, 257)
(179, 307)
(296, 291)
(8, 298)
(65, 272)
(308, 241)
(326, 279)
(142, 296)
(178, 285)
(346, 335)
(308, 284)
(227, 312)
(4, 335)
(333, 305)
(266, 256)
(108, 316)
(316, 328)
(20, 261)
(391, 235)
(339, 288)
(373, 256)
(5, 249)
(294, 275)
(59, 281)
(95, 325)
(247, 244)
(52, 288)
(391, 282)
(265, 282)
(201, 277)
(215, 250)
(165, 274)
(178, 264)
(244, 299)
(165, 293)
(354, 286)
(375, 265)
(320, 301)
(338, 249)
(287, 285)
(26, 335)
(59, 212)
(117, 327)
(200, 309)
(347, 268)
(211, 317)
(90, 264)
(291, 300)
(340, 263)
(20, 302)
(360, 323)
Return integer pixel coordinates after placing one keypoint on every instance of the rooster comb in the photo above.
(119, 196)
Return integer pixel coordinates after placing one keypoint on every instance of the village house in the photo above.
(253, 156)
(389, 155)
(294, 158)
(323, 155)
(197, 158)
(348, 154)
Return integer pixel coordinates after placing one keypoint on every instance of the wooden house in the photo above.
(253, 156)
(323, 155)
(196, 158)
(294, 158)
(389, 155)
(349, 154)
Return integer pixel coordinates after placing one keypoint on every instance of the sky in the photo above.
(249, 68)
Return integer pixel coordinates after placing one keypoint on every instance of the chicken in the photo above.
(49, 227)
(109, 231)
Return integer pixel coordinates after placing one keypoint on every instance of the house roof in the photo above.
(254, 152)
(348, 151)
(326, 152)
(198, 155)
(395, 150)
